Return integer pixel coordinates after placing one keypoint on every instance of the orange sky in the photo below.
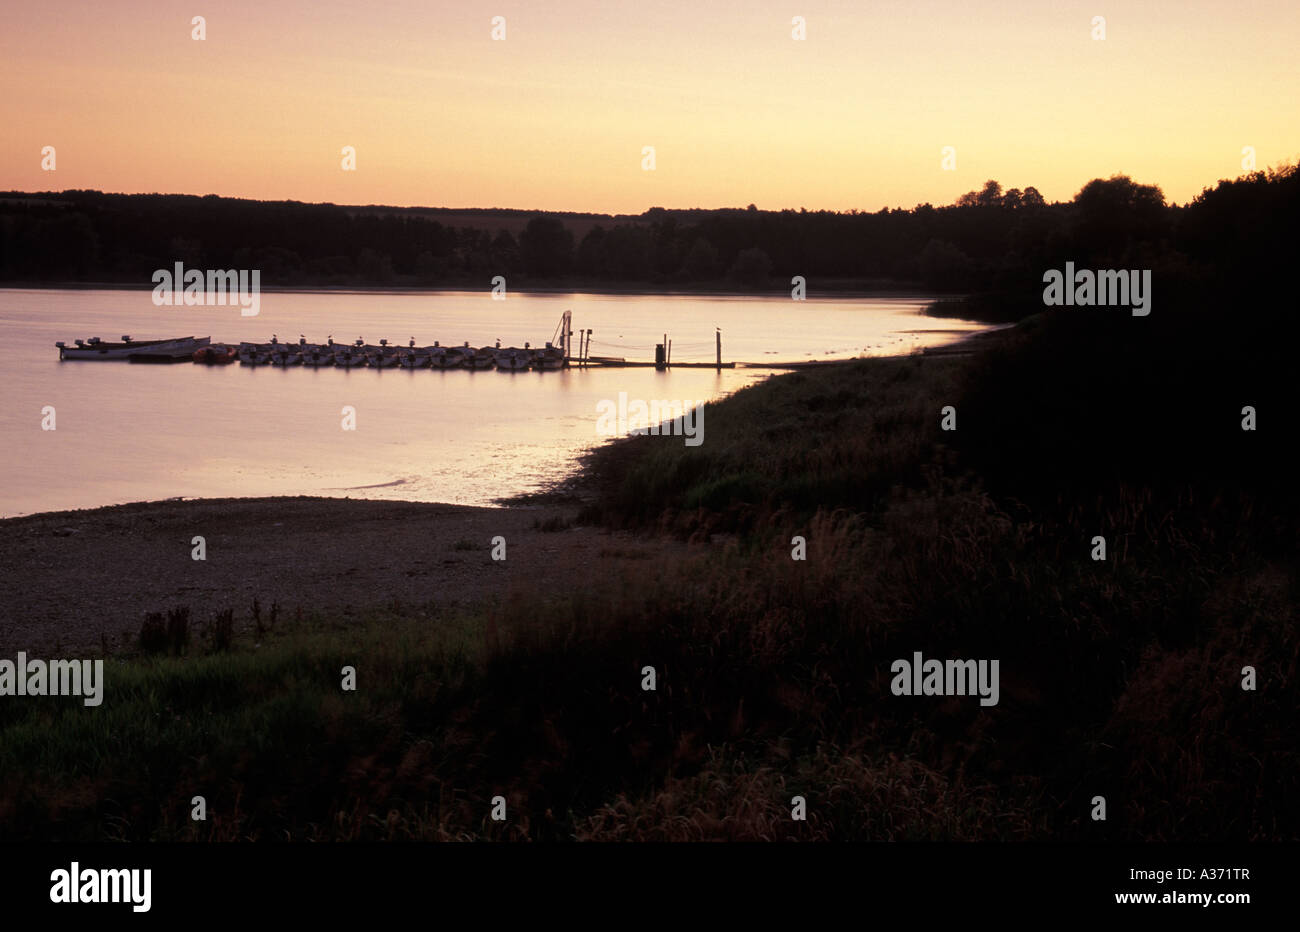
(555, 117)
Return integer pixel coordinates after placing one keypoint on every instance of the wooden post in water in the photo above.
(670, 352)
(719, 338)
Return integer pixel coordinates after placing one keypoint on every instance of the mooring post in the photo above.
(670, 352)
(719, 339)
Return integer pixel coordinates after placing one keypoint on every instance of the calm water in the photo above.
(139, 432)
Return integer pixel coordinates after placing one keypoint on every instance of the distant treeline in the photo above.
(990, 241)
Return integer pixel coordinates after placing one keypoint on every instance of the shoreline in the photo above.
(969, 342)
(313, 556)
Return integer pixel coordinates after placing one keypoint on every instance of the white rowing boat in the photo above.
(95, 348)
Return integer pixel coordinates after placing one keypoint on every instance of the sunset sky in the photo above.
(555, 117)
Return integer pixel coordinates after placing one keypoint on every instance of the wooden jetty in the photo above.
(663, 352)
(619, 363)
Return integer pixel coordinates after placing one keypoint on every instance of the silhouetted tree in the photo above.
(374, 267)
(988, 196)
(752, 267)
(943, 265)
(546, 247)
(1114, 214)
(505, 252)
(627, 253)
(702, 260)
(591, 252)
(1031, 198)
(991, 195)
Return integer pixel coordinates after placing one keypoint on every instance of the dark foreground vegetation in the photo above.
(1120, 678)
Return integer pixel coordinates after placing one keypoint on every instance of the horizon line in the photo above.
(597, 213)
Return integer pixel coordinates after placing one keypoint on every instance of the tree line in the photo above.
(988, 241)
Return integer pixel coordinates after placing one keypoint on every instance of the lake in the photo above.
(127, 432)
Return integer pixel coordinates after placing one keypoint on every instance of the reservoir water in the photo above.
(126, 432)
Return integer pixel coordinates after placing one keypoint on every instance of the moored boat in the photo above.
(513, 359)
(95, 348)
(215, 354)
(382, 356)
(412, 356)
(462, 355)
(317, 356)
(550, 358)
(254, 354)
(260, 354)
(445, 357)
(348, 357)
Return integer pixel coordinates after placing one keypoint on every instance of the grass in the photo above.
(266, 735)
(798, 442)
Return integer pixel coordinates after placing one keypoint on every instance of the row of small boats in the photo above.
(384, 355)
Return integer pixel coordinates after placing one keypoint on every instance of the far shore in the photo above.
(829, 288)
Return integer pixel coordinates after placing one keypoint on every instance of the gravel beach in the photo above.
(74, 579)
